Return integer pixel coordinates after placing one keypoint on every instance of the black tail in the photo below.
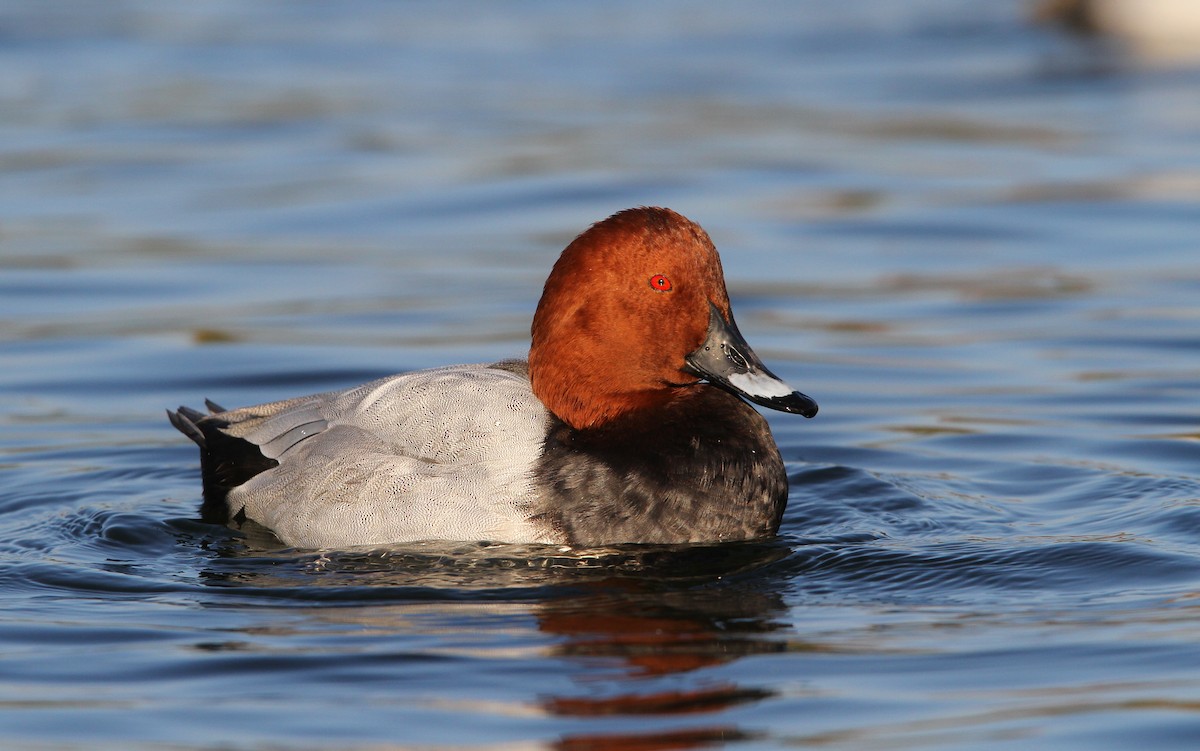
(225, 461)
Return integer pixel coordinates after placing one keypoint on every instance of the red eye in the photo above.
(660, 283)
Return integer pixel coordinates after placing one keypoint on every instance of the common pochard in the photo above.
(625, 425)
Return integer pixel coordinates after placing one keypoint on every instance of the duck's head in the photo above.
(635, 314)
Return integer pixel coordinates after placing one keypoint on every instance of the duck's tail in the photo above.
(225, 461)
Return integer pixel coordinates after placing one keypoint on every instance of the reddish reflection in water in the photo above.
(648, 637)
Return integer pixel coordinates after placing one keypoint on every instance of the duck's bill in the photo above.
(726, 360)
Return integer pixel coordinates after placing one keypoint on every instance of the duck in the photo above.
(1157, 31)
(629, 422)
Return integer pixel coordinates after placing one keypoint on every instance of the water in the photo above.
(977, 248)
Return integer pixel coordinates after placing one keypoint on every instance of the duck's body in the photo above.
(434, 454)
(574, 447)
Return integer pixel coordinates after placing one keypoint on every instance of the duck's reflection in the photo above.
(635, 629)
(640, 640)
(669, 740)
(659, 633)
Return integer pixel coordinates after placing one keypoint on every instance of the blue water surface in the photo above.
(976, 242)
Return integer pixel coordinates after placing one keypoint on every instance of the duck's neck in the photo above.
(589, 404)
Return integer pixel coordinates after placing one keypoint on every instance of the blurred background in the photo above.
(370, 172)
(970, 230)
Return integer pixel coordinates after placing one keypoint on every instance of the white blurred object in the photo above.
(1156, 30)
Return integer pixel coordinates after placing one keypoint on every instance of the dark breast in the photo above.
(703, 468)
